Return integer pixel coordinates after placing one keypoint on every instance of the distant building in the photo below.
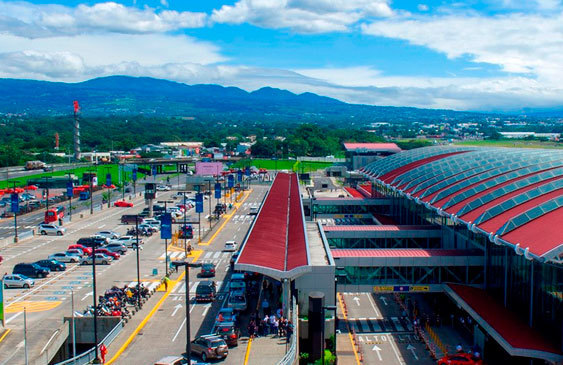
(361, 154)
(243, 148)
(519, 135)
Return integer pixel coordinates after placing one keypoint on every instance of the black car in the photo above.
(205, 291)
(228, 332)
(52, 265)
(31, 270)
(92, 241)
(207, 270)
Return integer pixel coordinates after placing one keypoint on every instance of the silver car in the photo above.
(108, 234)
(101, 259)
(64, 257)
(53, 229)
(18, 281)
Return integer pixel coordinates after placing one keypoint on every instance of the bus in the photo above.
(54, 214)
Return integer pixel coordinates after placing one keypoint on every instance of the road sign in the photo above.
(108, 179)
(153, 170)
(199, 203)
(69, 189)
(217, 190)
(15, 200)
(247, 171)
(166, 226)
(239, 175)
(231, 181)
(134, 175)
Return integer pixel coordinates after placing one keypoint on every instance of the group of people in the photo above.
(271, 324)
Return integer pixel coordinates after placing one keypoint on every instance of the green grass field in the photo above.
(290, 165)
(511, 143)
(101, 171)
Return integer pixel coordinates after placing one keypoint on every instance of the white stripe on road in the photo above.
(371, 301)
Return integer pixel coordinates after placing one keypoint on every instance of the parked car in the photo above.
(228, 332)
(123, 204)
(75, 252)
(85, 250)
(105, 251)
(237, 301)
(108, 234)
(460, 359)
(53, 229)
(64, 257)
(210, 347)
(52, 264)
(17, 281)
(207, 270)
(237, 285)
(206, 291)
(230, 246)
(171, 360)
(127, 241)
(101, 259)
(31, 270)
(162, 188)
(253, 211)
(151, 221)
(148, 227)
(116, 247)
(91, 242)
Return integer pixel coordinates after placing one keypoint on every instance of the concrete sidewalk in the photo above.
(266, 350)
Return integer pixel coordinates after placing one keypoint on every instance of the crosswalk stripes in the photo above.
(371, 325)
(180, 288)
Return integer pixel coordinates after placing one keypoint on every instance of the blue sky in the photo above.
(494, 55)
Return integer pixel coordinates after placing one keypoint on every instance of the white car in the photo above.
(17, 281)
(108, 234)
(127, 241)
(64, 257)
(54, 229)
(101, 259)
(162, 188)
(230, 246)
(151, 221)
(74, 252)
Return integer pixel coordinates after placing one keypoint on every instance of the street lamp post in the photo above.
(138, 261)
(187, 266)
(166, 239)
(15, 211)
(70, 198)
(95, 297)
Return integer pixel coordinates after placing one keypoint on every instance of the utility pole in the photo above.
(91, 195)
(210, 196)
(15, 210)
(70, 196)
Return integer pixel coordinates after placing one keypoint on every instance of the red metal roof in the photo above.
(277, 238)
(508, 325)
(388, 177)
(378, 228)
(355, 193)
(397, 252)
(372, 146)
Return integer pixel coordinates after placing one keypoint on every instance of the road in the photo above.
(383, 334)
(165, 333)
(49, 300)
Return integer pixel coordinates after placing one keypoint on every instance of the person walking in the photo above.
(276, 327)
(266, 322)
(166, 282)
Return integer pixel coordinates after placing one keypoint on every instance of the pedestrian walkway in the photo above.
(266, 350)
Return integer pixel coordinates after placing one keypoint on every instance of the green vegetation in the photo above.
(514, 143)
(100, 170)
(291, 165)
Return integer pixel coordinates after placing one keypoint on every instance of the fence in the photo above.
(89, 356)
(290, 356)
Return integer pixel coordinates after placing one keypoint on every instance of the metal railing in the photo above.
(90, 355)
(290, 356)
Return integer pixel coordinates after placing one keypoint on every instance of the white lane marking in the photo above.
(217, 254)
(176, 309)
(86, 296)
(102, 226)
(371, 301)
(14, 317)
(378, 351)
(396, 351)
(357, 300)
(179, 329)
(207, 306)
(207, 254)
(411, 348)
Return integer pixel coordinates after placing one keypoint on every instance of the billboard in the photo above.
(208, 168)
(166, 226)
(199, 203)
(217, 190)
(15, 200)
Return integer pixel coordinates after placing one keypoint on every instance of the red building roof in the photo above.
(354, 193)
(276, 245)
(397, 252)
(386, 147)
(376, 228)
(516, 336)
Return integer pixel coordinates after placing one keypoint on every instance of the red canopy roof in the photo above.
(378, 228)
(373, 146)
(513, 334)
(276, 245)
(397, 252)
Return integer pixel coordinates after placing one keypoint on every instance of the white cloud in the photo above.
(422, 7)
(518, 43)
(303, 16)
(348, 76)
(32, 21)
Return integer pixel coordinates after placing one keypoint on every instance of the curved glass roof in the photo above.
(497, 181)
(517, 200)
(530, 215)
(497, 193)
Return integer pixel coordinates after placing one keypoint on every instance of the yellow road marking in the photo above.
(228, 218)
(146, 319)
(349, 334)
(247, 351)
(8, 330)
(31, 307)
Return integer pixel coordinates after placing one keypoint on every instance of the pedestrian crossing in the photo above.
(180, 287)
(150, 285)
(374, 325)
(209, 256)
(242, 218)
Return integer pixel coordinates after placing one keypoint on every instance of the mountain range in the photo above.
(124, 95)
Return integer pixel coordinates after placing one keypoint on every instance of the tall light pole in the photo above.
(138, 262)
(166, 239)
(187, 266)
(70, 192)
(96, 361)
(15, 207)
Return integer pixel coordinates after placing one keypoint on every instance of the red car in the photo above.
(122, 204)
(105, 251)
(84, 249)
(460, 359)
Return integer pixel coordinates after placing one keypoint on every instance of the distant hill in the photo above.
(143, 95)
